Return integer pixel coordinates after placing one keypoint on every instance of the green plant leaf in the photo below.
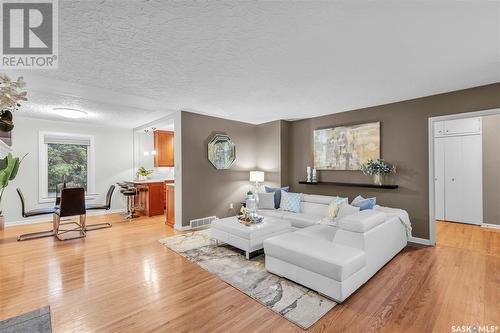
(15, 169)
(4, 178)
(3, 163)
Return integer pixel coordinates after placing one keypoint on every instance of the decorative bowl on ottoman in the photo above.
(250, 219)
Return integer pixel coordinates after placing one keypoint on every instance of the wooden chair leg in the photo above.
(34, 235)
(97, 226)
(83, 220)
(39, 234)
(56, 219)
(80, 228)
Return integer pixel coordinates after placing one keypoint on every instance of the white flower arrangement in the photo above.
(11, 95)
(244, 211)
(377, 167)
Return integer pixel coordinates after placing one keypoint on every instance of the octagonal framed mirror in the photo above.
(221, 152)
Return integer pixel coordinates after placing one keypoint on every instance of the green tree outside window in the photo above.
(66, 163)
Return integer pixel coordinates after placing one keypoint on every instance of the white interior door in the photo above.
(453, 180)
(439, 177)
(463, 178)
(472, 179)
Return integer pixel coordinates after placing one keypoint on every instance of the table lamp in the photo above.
(256, 177)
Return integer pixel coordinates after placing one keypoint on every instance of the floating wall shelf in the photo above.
(384, 186)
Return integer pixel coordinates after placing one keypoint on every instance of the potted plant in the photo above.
(143, 173)
(9, 166)
(378, 169)
(10, 100)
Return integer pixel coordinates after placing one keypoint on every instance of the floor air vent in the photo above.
(202, 222)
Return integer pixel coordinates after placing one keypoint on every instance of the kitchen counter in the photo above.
(150, 198)
(149, 181)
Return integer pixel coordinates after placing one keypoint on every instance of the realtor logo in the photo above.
(29, 34)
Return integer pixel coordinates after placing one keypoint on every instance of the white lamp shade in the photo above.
(257, 176)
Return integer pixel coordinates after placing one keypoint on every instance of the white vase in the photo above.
(2, 222)
(377, 179)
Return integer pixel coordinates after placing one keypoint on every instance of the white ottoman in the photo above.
(247, 238)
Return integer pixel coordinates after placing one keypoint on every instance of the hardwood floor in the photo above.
(122, 280)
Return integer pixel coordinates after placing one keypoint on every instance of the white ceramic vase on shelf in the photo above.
(314, 176)
(378, 179)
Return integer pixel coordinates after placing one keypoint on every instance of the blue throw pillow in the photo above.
(277, 194)
(290, 201)
(363, 203)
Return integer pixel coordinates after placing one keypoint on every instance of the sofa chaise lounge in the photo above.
(334, 260)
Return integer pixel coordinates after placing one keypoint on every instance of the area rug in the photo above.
(294, 302)
(37, 321)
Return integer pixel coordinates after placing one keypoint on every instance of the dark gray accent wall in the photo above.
(491, 169)
(268, 151)
(404, 142)
(207, 191)
(284, 150)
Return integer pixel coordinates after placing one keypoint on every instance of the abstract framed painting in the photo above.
(346, 147)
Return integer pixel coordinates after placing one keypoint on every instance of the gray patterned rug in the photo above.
(37, 321)
(294, 302)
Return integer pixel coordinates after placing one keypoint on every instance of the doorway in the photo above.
(158, 150)
(464, 152)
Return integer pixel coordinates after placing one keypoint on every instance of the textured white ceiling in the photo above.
(261, 61)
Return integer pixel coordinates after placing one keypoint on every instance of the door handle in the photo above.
(453, 179)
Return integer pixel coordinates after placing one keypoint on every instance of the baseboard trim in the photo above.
(421, 241)
(489, 225)
(47, 219)
(188, 227)
(182, 227)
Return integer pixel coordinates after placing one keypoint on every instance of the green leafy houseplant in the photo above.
(377, 168)
(143, 172)
(9, 166)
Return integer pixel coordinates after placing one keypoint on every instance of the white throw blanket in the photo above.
(401, 214)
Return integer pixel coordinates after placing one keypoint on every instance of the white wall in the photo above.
(144, 142)
(113, 161)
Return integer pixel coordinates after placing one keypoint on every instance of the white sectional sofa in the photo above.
(334, 260)
(313, 209)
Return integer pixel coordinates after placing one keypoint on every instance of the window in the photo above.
(65, 158)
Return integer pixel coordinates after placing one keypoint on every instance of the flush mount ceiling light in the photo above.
(70, 113)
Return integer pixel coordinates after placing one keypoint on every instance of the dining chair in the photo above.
(61, 186)
(34, 212)
(72, 204)
(105, 206)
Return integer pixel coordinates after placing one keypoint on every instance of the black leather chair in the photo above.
(72, 204)
(60, 187)
(106, 206)
(34, 212)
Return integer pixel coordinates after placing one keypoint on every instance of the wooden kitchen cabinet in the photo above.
(164, 147)
(170, 211)
(150, 198)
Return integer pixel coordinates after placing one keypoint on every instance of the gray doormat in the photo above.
(37, 321)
